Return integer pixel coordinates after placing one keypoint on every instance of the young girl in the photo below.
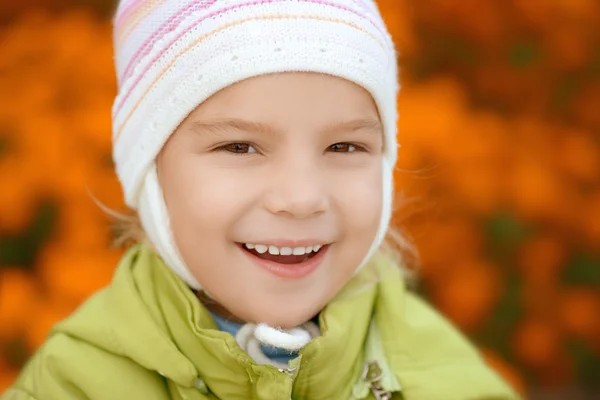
(256, 141)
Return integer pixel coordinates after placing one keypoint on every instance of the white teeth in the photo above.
(285, 251)
(299, 251)
(261, 248)
(274, 250)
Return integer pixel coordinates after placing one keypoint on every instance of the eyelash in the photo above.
(228, 148)
(357, 148)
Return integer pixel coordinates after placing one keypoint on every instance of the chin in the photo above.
(287, 323)
(284, 318)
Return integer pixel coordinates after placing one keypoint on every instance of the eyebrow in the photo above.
(356, 125)
(225, 124)
(220, 125)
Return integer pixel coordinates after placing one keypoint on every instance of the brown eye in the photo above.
(342, 148)
(238, 148)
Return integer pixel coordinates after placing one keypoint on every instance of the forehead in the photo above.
(297, 97)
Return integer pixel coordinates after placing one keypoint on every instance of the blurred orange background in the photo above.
(499, 175)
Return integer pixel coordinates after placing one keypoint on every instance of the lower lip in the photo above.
(290, 271)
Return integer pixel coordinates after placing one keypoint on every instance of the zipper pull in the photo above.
(288, 371)
(372, 374)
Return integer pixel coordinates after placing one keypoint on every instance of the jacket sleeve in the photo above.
(66, 368)
(16, 394)
(47, 376)
(438, 362)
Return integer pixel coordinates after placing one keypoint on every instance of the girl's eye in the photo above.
(344, 148)
(238, 148)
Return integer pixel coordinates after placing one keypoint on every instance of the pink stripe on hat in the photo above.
(175, 19)
(168, 26)
(118, 132)
(132, 22)
(126, 8)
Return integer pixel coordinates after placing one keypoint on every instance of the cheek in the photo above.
(359, 203)
(203, 200)
(203, 205)
(359, 198)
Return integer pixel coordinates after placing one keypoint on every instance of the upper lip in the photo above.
(290, 243)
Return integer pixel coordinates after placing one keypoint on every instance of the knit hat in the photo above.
(171, 55)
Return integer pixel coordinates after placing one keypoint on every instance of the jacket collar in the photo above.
(152, 302)
(150, 316)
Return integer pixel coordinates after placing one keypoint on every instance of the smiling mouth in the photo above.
(282, 255)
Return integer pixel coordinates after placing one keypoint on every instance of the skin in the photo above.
(305, 164)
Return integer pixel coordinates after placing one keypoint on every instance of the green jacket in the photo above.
(147, 337)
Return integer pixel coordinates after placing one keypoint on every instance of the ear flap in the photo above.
(155, 220)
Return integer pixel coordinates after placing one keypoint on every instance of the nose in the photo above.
(297, 189)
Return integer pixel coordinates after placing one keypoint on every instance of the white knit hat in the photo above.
(171, 55)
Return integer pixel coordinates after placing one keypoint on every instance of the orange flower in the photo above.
(579, 313)
(73, 274)
(409, 163)
(481, 21)
(43, 150)
(477, 185)
(82, 225)
(521, 89)
(396, 14)
(539, 299)
(591, 221)
(441, 103)
(537, 343)
(18, 294)
(536, 193)
(505, 370)
(570, 46)
(19, 195)
(8, 375)
(47, 312)
(93, 125)
(578, 10)
(456, 235)
(69, 276)
(559, 373)
(468, 293)
(537, 14)
(541, 258)
(474, 168)
(105, 187)
(584, 105)
(579, 155)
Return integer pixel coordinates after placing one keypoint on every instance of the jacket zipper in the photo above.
(373, 374)
(291, 373)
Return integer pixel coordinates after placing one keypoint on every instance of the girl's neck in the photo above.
(221, 311)
(217, 308)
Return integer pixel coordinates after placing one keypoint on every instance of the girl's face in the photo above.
(288, 162)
